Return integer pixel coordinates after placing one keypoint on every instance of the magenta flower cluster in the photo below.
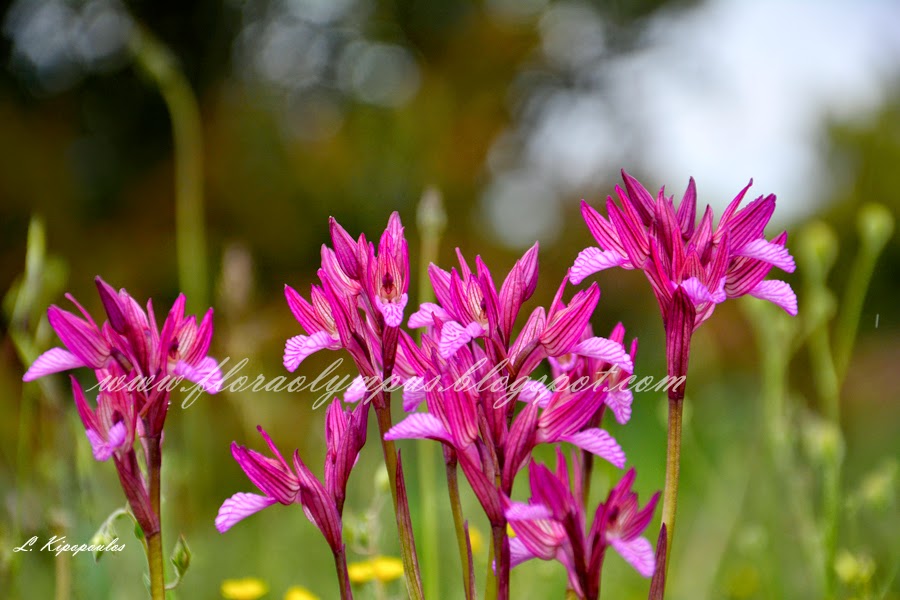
(469, 378)
(468, 334)
(130, 347)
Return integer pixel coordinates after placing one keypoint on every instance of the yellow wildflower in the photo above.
(248, 588)
(360, 572)
(300, 593)
(382, 568)
(854, 569)
(476, 540)
(387, 568)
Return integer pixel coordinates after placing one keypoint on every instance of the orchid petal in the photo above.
(566, 326)
(356, 391)
(393, 311)
(238, 507)
(518, 553)
(424, 317)
(591, 260)
(297, 348)
(454, 336)
(103, 449)
(518, 511)
(607, 350)
(318, 504)
(53, 360)
(206, 373)
(80, 338)
(117, 435)
(638, 553)
(413, 393)
(696, 291)
(419, 426)
(601, 229)
(769, 252)
(599, 442)
(271, 476)
(777, 292)
(346, 249)
(619, 401)
(535, 391)
(639, 196)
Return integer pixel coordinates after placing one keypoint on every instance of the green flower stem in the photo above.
(595, 587)
(155, 562)
(587, 470)
(501, 552)
(673, 466)
(831, 519)
(828, 386)
(774, 334)
(462, 540)
(875, 224)
(157, 62)
(25, 349)
(407, 541)
(428, 504)
(490, 588)
(23, 300)
(154, 540)
(824, 374)
(679, 324)
(62, 570)
(818, 252)
(340, 564)
(851, 308)
(431, 220)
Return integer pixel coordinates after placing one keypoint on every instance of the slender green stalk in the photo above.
(824, 375)
(407, 541)
(459, 525)
(62, 570)
(775, 347)
(431, 221)
(673, 466)
(428, 503)
(593, 588)
(587, 470)
(38, 278)
(190, 233)
(875, 224)
(340, 564)
(154, 541)
(490, 587)
(679, 324)
(22, 342)
(818, 252)
(828, 387)
(501, 552)
(155, 562)
(851, 308)
(394, 469)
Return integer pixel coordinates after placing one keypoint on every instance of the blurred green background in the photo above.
(514, 110)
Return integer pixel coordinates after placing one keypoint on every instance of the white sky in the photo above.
(730, 90)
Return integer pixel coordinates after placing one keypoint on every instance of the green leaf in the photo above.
(103, 537)
(181, 556)
(138, 532)
(106, 534)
